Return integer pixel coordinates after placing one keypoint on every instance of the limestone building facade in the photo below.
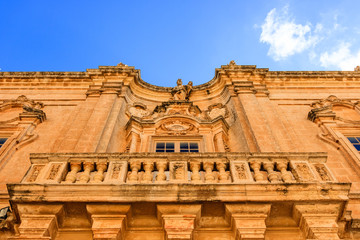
(251, 154)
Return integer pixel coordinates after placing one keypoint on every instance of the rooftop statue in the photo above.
(181, 92)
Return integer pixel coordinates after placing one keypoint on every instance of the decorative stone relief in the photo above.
(35, 171)
(324, 109)
(138, 110)
(177, 127)
(181, 92)
(216, 110)
(116, 172)
(302, 171)
(178, 171)
(240, 171)
(53, 171)
(323, 172)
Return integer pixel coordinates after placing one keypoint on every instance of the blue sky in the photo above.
(173, 39)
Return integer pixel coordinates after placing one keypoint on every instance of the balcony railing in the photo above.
(191, 168)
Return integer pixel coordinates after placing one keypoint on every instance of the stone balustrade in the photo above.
(194, 168)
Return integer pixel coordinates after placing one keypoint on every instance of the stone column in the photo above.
(318, 221)
(108, 221)
(179, 220)
(248, 220)
(39, 221)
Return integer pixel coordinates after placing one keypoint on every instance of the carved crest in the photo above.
(177, 127)
(216, 110)
(138, 110)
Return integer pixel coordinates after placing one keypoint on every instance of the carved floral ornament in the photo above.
(324, 108)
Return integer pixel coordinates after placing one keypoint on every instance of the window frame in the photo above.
(177, 140)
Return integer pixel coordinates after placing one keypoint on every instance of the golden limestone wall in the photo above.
(274, 160)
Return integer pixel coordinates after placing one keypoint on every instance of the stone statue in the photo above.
(181, 92)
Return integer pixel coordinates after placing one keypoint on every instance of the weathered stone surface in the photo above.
(274, 160)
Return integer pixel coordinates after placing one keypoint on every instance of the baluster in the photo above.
(269, 166)
(256, 168)
(195, 168)
(88, 167)
(148, 167)
(209, 177)
(285, 175)
(223, 176)
(101, 168)
(135, 167)
(161, 167)
(71, 176)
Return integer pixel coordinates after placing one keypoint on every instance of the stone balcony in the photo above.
(179, 196)
(178, 177)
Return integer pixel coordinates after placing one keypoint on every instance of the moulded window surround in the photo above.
(2, 141)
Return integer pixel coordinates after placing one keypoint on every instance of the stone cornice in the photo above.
(178, 192)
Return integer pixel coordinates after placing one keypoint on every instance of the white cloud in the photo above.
(284, 36)
(341, 58)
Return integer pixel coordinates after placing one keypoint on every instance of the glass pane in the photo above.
(194, 150)
(353, 140)
(357, 147)
(160, 145)
(170, 145)
(184, 145)
(160, 150)
(170, 150)
(194, 146)
(2, 140)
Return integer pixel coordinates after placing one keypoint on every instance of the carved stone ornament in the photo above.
(324, 108)
(216, 110)
(176, 108)
(138, 110)
(181, 92)
(177, 127)
(24, 102)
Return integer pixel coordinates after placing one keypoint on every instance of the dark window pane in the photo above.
(357, 146)
(160, 145)
(353, 140)
(194, 146)
(2, 140)
(184, 150)
(194, 150)
(184, 145)
(160, 150)
(170, 150)
(169, 145)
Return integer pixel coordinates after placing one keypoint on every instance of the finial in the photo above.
(121, 65)
(357, 69)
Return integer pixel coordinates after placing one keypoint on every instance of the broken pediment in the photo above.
(334, 108)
